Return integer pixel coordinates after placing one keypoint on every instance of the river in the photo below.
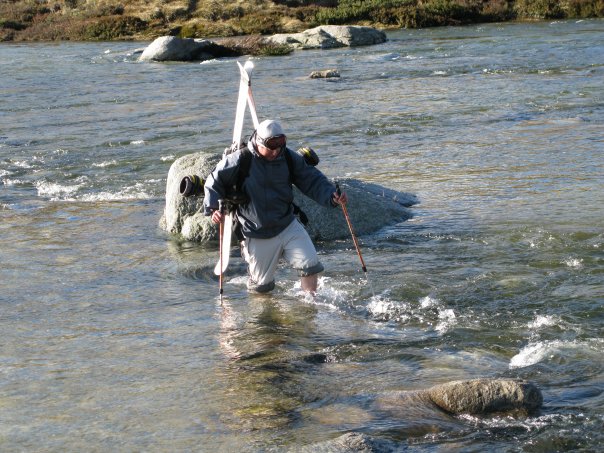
(113, 336)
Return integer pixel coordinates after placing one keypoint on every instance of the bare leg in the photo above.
(309, 283)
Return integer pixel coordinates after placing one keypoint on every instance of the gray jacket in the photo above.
(269, 209)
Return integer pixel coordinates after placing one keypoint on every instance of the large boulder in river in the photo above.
(172, 48)
(424, 410)
(370, 206)
(330, 36)
(474, 396)
(481, 396)
(184, 215)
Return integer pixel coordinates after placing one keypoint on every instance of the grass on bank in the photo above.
(43, 20)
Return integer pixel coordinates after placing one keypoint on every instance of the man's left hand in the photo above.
(339, 199)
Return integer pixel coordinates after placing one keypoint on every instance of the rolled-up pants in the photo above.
(262, 256)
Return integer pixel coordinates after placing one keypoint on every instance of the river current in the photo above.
(113, 337)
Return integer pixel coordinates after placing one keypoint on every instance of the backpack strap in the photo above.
(290, 164)
(245, 162)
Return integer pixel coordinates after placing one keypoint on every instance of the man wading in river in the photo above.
(267, 225)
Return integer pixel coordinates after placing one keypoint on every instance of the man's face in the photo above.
(267, 153)
(266, 150)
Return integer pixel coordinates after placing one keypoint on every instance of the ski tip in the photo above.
(218, 271)
(246, 71)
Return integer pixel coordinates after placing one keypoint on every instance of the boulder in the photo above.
(371, 207)
(184, 215)
(330, 36)
(475, 397)
(324, 74)
(172, 48)
(422, 410)
(481, 396)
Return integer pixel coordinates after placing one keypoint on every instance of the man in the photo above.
(266, 218)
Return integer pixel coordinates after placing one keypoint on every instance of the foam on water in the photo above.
(57, 191)
(429, 311)
(22, 164)
(109, 163)
(13, 182)
(540, 351)
(138, 191)
(574, 263)
(544, 321)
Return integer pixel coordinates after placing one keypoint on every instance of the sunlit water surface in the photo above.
(113, 336)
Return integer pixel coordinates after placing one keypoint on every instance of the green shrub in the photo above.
(350, 11)
(202, 29)
(256, 45)
(274, 50)
(585, 8)
(498, 10)
(260, 23)
(539, 9)
(113, 27)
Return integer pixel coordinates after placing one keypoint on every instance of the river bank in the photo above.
(80, 20)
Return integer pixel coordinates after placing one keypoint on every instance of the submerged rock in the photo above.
(476, 397)
(330, 36)
(371, 207)
(481, 396)
(347, 443)
(324, 74)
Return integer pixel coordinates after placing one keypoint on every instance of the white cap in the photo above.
(268, 129)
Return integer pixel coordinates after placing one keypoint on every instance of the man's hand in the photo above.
(339, 199)
(217, 216)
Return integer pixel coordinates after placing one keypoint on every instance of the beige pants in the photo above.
(293, 245)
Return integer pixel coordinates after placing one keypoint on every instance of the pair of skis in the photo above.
(245, 99)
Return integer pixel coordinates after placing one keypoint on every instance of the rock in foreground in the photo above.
(423, 410)
(481, 396)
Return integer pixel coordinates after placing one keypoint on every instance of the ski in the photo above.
(246, 72)
(245, 82)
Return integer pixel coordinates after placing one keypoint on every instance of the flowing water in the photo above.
(112, 333)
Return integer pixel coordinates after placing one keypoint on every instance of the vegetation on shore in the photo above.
(44, 20)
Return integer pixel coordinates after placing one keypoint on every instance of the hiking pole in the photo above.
(354, 238)
(221, 234)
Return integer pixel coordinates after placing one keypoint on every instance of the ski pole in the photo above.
(221, 234)
(354, 237)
